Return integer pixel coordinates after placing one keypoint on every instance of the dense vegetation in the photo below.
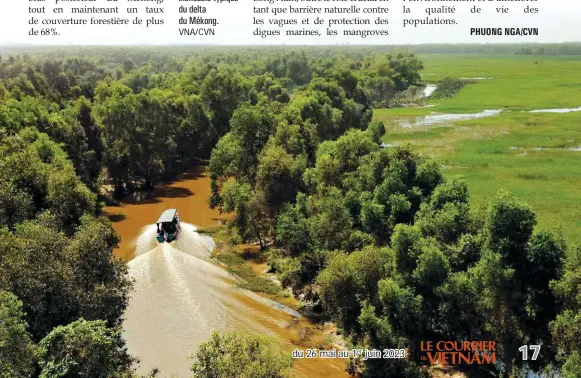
(448, 87)
(375, 238)
(235, 354)
(109, 54)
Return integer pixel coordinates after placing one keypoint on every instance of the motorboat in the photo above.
(168, 226)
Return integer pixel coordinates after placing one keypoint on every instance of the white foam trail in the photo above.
(146, 241)
(176, 303)
(188, 241)
(191, 242)
(180, 297)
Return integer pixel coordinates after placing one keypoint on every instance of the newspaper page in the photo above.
(290, 188)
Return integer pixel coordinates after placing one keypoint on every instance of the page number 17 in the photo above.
(525, 349)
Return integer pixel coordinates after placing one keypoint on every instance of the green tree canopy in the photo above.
(236, 355)
(17, 352)
(84, 349)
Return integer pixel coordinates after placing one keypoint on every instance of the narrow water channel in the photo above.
(439, 119)
(181, 296)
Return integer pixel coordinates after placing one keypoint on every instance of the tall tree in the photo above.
(84, 349)
(17, 352)
(236, 355)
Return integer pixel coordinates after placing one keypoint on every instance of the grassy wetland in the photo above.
(535, 155)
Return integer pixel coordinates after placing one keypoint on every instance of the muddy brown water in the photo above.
(181, 296)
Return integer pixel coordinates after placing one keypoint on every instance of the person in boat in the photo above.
(168, 226)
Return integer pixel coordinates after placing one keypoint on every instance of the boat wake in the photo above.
(180, 297)
(146, 240)
(188, 241)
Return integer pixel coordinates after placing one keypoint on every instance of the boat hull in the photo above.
(167, 238)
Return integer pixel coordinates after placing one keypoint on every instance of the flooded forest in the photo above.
(302, 227)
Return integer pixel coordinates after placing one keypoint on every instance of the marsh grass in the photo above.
(448, 87)
(239, 261)
(528, 154)
(512, 82)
